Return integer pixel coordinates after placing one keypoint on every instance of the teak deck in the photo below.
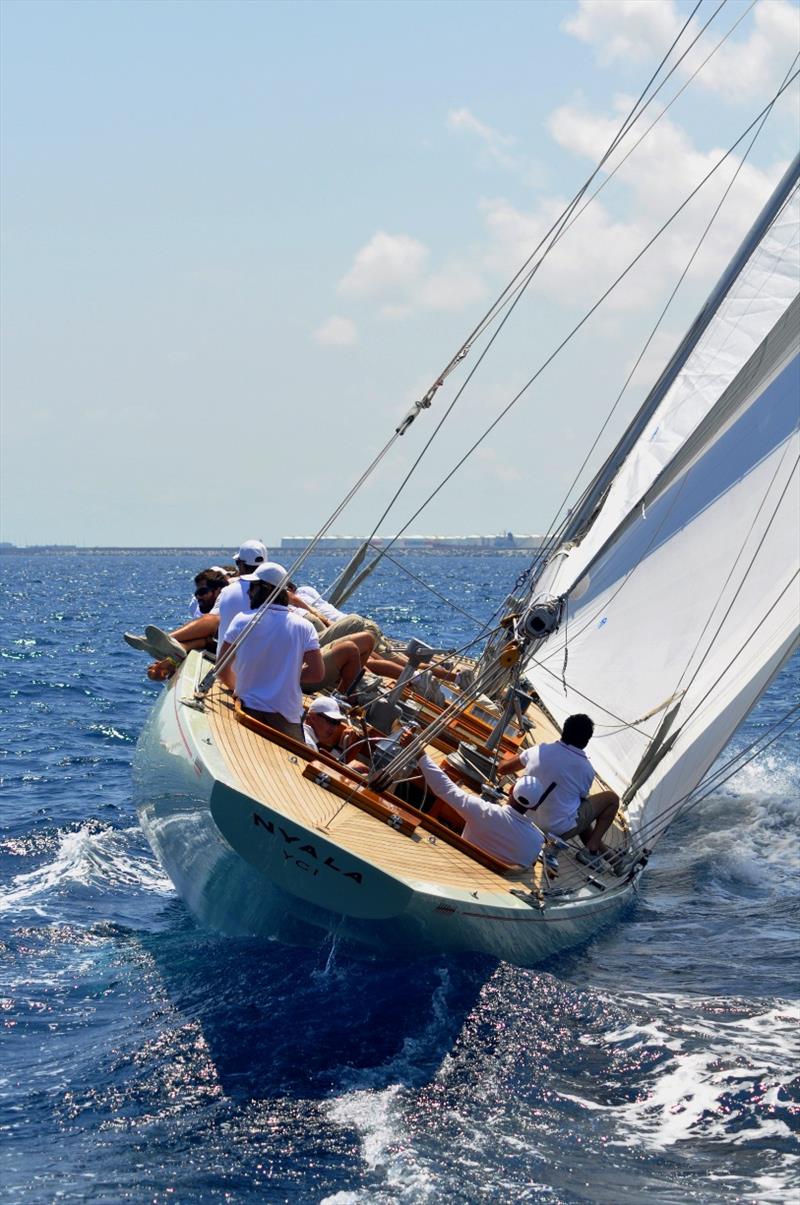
(274, 770)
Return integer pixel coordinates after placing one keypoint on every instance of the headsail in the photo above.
(683, 588)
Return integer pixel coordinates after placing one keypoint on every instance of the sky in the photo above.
(239, 240)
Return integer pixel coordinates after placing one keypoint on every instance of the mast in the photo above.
(581, 518)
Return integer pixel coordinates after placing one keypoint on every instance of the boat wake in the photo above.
(93, 855)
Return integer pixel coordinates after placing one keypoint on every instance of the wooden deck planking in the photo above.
(274, 776)
(254, 762)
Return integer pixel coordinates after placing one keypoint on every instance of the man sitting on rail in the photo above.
(198, 633)
(555, 783)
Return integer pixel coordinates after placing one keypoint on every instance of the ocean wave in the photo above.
(92, 855)
(376, 1113)
(719, 1080)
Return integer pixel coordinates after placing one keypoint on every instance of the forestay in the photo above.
(683, 592)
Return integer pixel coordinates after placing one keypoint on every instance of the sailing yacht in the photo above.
(665, 605)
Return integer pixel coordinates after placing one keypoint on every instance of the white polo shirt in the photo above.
(231, 602)
(572, 773)
(268, 663)
(494, 827)
(314, 599)
(310, 738)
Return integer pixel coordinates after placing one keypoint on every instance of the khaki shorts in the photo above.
(586, 816)
(349, 625)
(331, 674)
(273, 719)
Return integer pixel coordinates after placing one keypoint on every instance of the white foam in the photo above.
(85, 857)
(376, 1113)
(686, 1092)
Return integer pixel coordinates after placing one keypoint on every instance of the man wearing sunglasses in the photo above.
(201, 630)
(208, 585)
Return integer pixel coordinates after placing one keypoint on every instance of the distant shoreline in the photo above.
(214, 552)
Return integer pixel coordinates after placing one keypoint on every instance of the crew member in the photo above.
(505, 830)
(556, 781)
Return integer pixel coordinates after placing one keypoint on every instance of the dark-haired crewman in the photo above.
(555, 784)
(280, 656)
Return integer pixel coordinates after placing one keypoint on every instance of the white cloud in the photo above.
(643, 30)
(386, 263)
(625, 29)
(498, 149)
(664, 170)
(337, 332)
(740, 70)
(392, 269)
(498, 145)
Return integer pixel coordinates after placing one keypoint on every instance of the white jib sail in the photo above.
(690, 610)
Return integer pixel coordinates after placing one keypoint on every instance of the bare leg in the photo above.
(384, 667)
(343, 663)
(393, 668)
(195, 633)
(606, 806)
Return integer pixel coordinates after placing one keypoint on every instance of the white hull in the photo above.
(244, 866)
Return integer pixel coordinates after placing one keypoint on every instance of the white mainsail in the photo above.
(682, 586)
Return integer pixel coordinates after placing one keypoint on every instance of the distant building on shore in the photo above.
(507, 542)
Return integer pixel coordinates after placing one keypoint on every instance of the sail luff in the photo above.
(594, 493)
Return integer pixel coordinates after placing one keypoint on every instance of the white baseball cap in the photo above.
(270, 572)
(252, 552)
(526, 791)
(328, 707)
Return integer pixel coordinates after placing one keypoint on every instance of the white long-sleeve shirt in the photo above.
(496, 828)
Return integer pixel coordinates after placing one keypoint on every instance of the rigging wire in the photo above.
(565, 226)
(554, 233)
(578, 326)
(552, 539)
(480, 623)
(425, 402)
(607, 180)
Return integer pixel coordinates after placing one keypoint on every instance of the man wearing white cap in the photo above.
(505, 830)
(234, 598)
(282, 651)
(325, 727)
(277, 651)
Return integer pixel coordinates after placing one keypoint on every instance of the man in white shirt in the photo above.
(235, 597)
(278, 651)
(555, 784)
(505, 830)
(198, 633)
(338, 665)
(325, 727)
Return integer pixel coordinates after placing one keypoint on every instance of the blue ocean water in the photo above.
(146, 1060)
